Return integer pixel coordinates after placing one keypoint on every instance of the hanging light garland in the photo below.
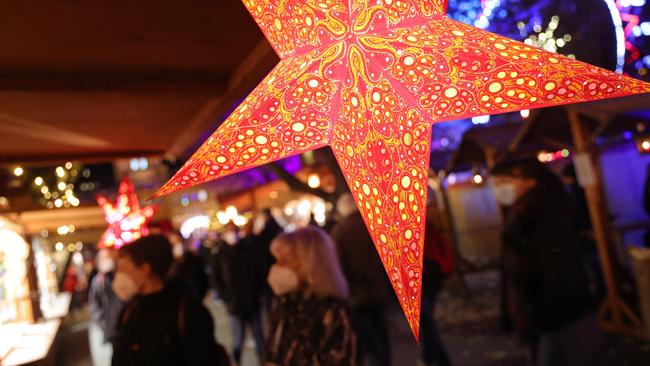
(56, 188)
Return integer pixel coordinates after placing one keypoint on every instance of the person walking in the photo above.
(240, 285)
(548, 295)
(105, 309)
(162, 323)
(436, 265)
(311, 324)
(370, 291)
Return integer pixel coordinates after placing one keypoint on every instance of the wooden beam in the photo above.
(524, 130)
(614, 314)
(83, 157)
(163, 81)
(251, 70)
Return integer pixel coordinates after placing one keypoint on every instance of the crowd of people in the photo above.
(308, 297)
(313, 297)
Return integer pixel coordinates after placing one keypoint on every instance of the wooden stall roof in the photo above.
(100, 80)
(480, 144)
(548, 129)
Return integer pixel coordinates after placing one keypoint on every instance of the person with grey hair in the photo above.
(370, 291)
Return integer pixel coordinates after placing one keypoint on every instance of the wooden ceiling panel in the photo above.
(114, 36)
(106, 79)
(41, 124)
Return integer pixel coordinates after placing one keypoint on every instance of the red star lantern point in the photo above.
(127, 221)
(369, 78)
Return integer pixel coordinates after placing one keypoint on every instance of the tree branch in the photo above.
(297, 185)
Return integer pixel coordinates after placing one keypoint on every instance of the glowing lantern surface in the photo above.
(369, 78)
(126, 220)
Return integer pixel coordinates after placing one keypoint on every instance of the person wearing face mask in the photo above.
(547, 291)
(105, 308)
(239, 284)
(311, 324)
(162, 322)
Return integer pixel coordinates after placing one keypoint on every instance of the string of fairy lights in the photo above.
(55, 187)
(546, 38)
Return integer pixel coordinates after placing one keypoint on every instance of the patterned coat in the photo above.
(308, 330)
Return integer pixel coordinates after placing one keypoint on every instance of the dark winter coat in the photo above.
(369, 284)
(310, 331)
(238, 278)
(263, 242)
(105, 306)
(167, 328)
(191, 269)
(544, 276)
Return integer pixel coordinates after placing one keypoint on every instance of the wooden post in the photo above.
(614, 314)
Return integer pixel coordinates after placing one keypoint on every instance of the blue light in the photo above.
(480, 120)
(627, 135)
(620, 35)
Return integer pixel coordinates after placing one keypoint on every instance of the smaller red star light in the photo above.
(127, 221)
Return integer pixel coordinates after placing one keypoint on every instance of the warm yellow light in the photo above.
(68, 165)
(61, 186)
(58, 203)
(38, 181)
(313, 181)
(478, 179)
(18, 171)
(223, 217)
(240, 220)
(60, 172)
(73, 201)
(542, 156)
(44, 189)
(231, 211)
(645, 145)
(62, 230)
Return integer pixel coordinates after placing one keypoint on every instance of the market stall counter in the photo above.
(24, 343)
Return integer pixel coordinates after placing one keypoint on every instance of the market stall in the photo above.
(27, 332)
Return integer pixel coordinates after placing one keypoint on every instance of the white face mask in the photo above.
(282, 280)
(230, 237)
(177, 250)
(124, 286)
(505, 194)
(258, 225)
(105, 265)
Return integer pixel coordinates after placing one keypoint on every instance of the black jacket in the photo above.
(238, 278)
(167, 328)
(544, 275)
(191, 269)
(105, 306)
(369, 284)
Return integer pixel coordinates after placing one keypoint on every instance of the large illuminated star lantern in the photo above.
(368, 78)
(126, 220)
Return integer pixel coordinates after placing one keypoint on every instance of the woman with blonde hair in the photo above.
(311, 324)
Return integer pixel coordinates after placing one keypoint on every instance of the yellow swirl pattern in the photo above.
(369, 78)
